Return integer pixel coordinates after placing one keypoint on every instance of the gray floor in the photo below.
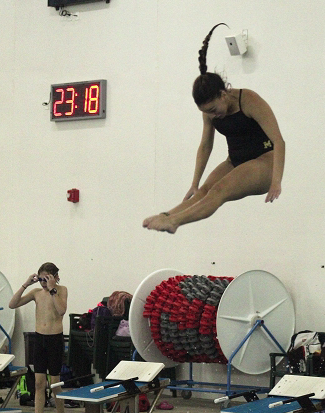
(193, 405)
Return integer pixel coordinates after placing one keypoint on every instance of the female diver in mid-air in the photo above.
(256, 150)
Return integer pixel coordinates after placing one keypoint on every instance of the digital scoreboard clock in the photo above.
(78, 100)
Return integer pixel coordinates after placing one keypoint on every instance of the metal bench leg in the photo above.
(11, 391)
(156, 400)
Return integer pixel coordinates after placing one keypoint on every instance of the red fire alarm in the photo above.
(73, 195)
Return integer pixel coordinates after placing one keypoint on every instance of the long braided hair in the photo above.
(208, 85)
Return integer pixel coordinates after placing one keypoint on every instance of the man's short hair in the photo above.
(48, 267)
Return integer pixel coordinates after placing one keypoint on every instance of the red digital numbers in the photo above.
(79, 101)
(91, 99)
(58, 102)
(71, 101)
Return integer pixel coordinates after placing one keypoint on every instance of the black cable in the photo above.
(47, 103)
(64, 12)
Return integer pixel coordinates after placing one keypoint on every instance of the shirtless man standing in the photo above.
(51, 305)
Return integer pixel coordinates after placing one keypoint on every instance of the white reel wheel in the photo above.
(7, 316)
(254, 295)
(139, 326)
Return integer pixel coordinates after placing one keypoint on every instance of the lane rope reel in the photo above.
(182, 317)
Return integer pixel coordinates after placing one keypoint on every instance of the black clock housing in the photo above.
(78, 100)
(63, 3)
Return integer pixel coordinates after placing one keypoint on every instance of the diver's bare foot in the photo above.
(147, 221)
(163, 223)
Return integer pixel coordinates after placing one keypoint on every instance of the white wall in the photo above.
(140, 160)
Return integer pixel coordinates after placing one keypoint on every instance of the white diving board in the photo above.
(5, 360)
(295, 386)
(145, 371)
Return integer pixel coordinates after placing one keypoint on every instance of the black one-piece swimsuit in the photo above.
(245, 138)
